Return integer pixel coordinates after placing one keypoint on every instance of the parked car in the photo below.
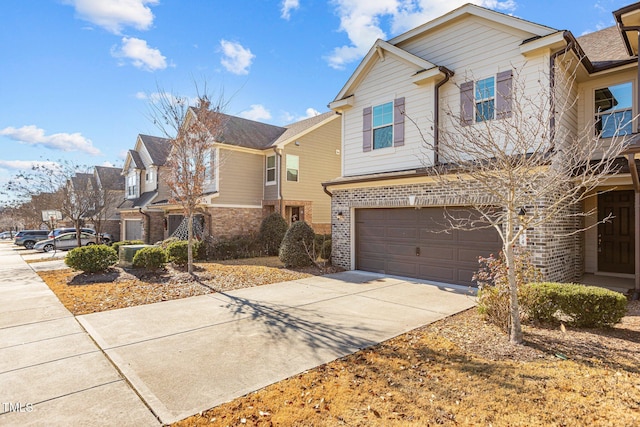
(65, 242)
(106, 237)
(6, 235)
(28, 238)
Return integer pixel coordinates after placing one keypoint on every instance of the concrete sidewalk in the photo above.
(188, 355)
(51, 371)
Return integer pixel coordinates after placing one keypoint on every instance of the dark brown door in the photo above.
(616, 237)
(412, 243)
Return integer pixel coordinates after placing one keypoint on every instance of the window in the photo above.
(132, 185)
(293, 165)
(271, 169)
(613, 109)
(383, 125)
(148, 176)
(485, 91)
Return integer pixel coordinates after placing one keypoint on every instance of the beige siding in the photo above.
(319, 162)
(566, 106)
(473, 48)
(164, 193)
(270, 190)
(385, 82)
(240, 179)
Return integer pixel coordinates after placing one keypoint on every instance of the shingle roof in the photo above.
(140, 202)
(137, 160)
(80, 180)
(110, 178)
(604, 47)
(157, 147)
(299, 127)
(249, 133)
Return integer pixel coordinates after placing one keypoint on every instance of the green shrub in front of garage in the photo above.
(92, 258)
(297, 246)
(573, 304)
(152, 258)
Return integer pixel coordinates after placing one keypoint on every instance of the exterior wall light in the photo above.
(340, 216)
(521, 214)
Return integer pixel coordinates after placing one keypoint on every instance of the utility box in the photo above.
(127, 252)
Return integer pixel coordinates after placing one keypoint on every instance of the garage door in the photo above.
(133, 229)
(406, 242)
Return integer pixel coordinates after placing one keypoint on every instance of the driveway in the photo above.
(188, 355)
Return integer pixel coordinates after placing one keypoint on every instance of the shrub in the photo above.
(574, 304)
(297, 245)
(177, 251)
(116, 245)
(234, 248)
(318, 241)
(325, 251)
(152, 257)
(91, 259)
(272, 231)
(493, 286)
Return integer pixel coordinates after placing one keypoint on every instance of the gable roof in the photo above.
(605, 47)
(80, 180)
(135, 158)
(302, 127)
(110, 178)
(157, 147)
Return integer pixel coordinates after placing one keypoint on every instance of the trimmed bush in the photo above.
(574, 304)
(234, 248)
(116, 245)
(272, 231)
(297, 246)
(152, 258)
(177, 251)
(91, 259)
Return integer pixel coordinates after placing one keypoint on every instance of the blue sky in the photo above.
(78, 75)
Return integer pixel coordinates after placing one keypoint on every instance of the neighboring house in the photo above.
(257, 168)
(143, 185)
(464, 57)
(105, 217)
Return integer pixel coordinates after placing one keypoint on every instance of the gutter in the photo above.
(436, 112)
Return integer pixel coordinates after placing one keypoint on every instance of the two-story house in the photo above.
(257, 168)
(108, 193)
(142, 172)
(464, 62)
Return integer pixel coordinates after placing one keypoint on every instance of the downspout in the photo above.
(552, 85)
(436, 113)
(279, 182)
(148, 227)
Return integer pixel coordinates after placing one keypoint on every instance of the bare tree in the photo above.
(520, 169)
(63, 186)
(107, 191)
(192, 132)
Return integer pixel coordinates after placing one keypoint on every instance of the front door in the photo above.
(616, 237)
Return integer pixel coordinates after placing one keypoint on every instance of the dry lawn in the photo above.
(460, 371)
(84, 293)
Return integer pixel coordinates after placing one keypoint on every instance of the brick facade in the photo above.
(557, 250)
(270, 206)
(225, 222)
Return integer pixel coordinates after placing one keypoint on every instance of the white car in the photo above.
(65, 242)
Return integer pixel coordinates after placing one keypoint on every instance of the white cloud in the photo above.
(27, 164)
(257, 112)
(33, 135)
(361, 21)
(141, 55)
(287, 7)
(141, 95)
(237, 59)
(114, 15)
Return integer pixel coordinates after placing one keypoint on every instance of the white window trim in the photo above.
(287, 167)
(275, 170)
(373, 128)
(477, 101)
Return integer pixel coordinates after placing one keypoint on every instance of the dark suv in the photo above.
(28, 238)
